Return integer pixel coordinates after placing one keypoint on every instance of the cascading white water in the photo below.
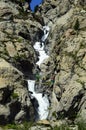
(42, 54)
(37, 47)
(43, 101)
(46, 30)
(31, 84)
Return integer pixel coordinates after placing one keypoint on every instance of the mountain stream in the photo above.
(42, 100)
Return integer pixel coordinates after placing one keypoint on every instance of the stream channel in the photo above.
(41, 102)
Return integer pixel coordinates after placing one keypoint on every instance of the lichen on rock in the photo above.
(66, 47)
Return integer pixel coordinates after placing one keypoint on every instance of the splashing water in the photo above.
(37, 47)
(46, 30)
(42, 54)
(43, 101)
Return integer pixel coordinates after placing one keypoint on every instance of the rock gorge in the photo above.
(66, 46)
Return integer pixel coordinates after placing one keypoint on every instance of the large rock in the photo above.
(14, 96)
(51, 10)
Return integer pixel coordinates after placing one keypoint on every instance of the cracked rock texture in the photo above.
(66, 46)
(17, 59)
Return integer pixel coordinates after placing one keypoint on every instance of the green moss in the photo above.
(63, 127)
(15, 95)
(11, 126)
(27, 126)
(19, 40)
(78, 126)
(54, 114)
(21, 56)
(23, 126)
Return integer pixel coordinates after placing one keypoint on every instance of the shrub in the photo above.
(36, 8)
(10, 126)
(76, 26)
(81, 125)
(23, 126)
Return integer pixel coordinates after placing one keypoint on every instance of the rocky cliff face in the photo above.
(18, 30)
(67, 63)
(66, 46)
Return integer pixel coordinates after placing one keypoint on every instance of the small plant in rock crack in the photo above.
(14, 95)
(81, 125)
(54, 114)
(77, 25)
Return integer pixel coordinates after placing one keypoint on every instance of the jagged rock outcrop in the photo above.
(17, 35)
(14, 96)
(66, 45)
(17, 60)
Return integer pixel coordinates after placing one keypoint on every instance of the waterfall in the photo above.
(46, 30)
(43, 102)
(37, 47)
(42, 54)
